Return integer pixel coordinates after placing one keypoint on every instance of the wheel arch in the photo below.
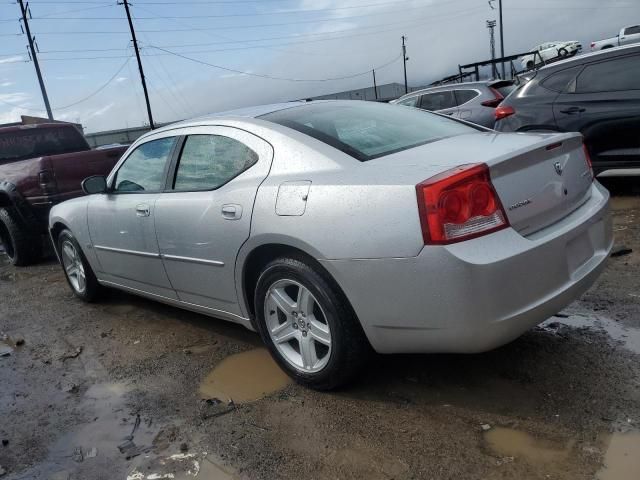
(259, 255)
(54, 232)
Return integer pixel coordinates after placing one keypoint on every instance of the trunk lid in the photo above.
(540, 178)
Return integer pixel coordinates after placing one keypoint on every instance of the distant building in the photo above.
(386, 92)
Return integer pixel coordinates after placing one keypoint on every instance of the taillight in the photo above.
(459, 204)
(587, 159)
(47, 181)
(593, 44)
(503, 111)
(496, 101)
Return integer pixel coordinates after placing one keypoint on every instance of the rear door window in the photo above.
(614, 75)
(464, 96)
(559, 81)
(209, 161)
(437, 101)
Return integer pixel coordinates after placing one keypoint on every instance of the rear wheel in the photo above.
(76, 268)
(530, 65)
(22, 247)
(307, 324)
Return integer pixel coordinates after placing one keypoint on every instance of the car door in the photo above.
(121, 222)
(205, 218)
(603, 103)
(442, 102)
(465, 105)
(630, 35)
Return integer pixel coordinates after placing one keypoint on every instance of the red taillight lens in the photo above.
(459, 204)
(593, 44)
(496, 101)
(503, 111)
(587, 158)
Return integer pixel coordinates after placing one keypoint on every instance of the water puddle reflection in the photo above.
(244, 377)
(629, 337)
(508, 442)
(622, 459)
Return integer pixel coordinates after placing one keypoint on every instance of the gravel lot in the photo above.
(131, 389)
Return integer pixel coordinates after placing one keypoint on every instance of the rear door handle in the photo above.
(232, 211)
(573, 110)
(143, 210)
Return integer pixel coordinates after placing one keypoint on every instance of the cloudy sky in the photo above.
(202, 56)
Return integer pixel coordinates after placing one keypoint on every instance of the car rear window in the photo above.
(38, 142)
(368, 130)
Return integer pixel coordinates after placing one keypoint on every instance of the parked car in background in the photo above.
(41, 165)
(597, 94)
(626, 36)
(335, 226)
(471, 101)
(549, 51)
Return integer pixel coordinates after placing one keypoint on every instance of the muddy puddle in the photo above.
(182, 466)
(628, 337)
(244, 377)
(622, 457)
(508, 442)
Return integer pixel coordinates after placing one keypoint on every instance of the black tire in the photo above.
(92, 289)
(22, 247)
(563, 52)
(349, 346)
(530, 65)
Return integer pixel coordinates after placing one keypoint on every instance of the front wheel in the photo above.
(563, 52)
(307, 324)
(22, 247)
(76, 268)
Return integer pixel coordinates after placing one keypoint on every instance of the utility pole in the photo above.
(34, 57)
(135, 47)
(501, 36)
(375, 86)
(404, 61)
(491, 25)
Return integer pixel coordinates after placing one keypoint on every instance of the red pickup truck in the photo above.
(42, 165)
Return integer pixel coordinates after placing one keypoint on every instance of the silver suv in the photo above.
(472, 101)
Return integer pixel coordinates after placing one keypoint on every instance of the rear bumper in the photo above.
(477, 295)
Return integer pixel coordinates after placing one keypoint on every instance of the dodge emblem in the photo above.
(558, 167)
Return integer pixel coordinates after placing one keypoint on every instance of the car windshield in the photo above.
(368, 130)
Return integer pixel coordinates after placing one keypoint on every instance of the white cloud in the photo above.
(6, 84)
(17, 58)
(121, 79)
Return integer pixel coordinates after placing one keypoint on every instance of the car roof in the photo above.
(33, 126)
(450, 86)
(577, 60)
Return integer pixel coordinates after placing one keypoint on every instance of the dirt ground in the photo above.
(132, 389)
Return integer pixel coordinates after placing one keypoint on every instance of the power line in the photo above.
(273, 77)
(111, 79)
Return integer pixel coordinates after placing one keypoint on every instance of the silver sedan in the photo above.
(337, 227)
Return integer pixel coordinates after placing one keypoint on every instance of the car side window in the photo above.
(144, 168)
(464, 96)
(437, 101)
(613, 75)
(409, 102)
(209, 161)
(559, 81)
(632, 30)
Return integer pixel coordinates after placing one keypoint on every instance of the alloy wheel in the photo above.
(297, 326)
(73, 266)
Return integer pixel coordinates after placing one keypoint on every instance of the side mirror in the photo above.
(94, 184)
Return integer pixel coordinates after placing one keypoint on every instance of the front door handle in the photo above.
(572, 110)
(143, 210)
(232, 211)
